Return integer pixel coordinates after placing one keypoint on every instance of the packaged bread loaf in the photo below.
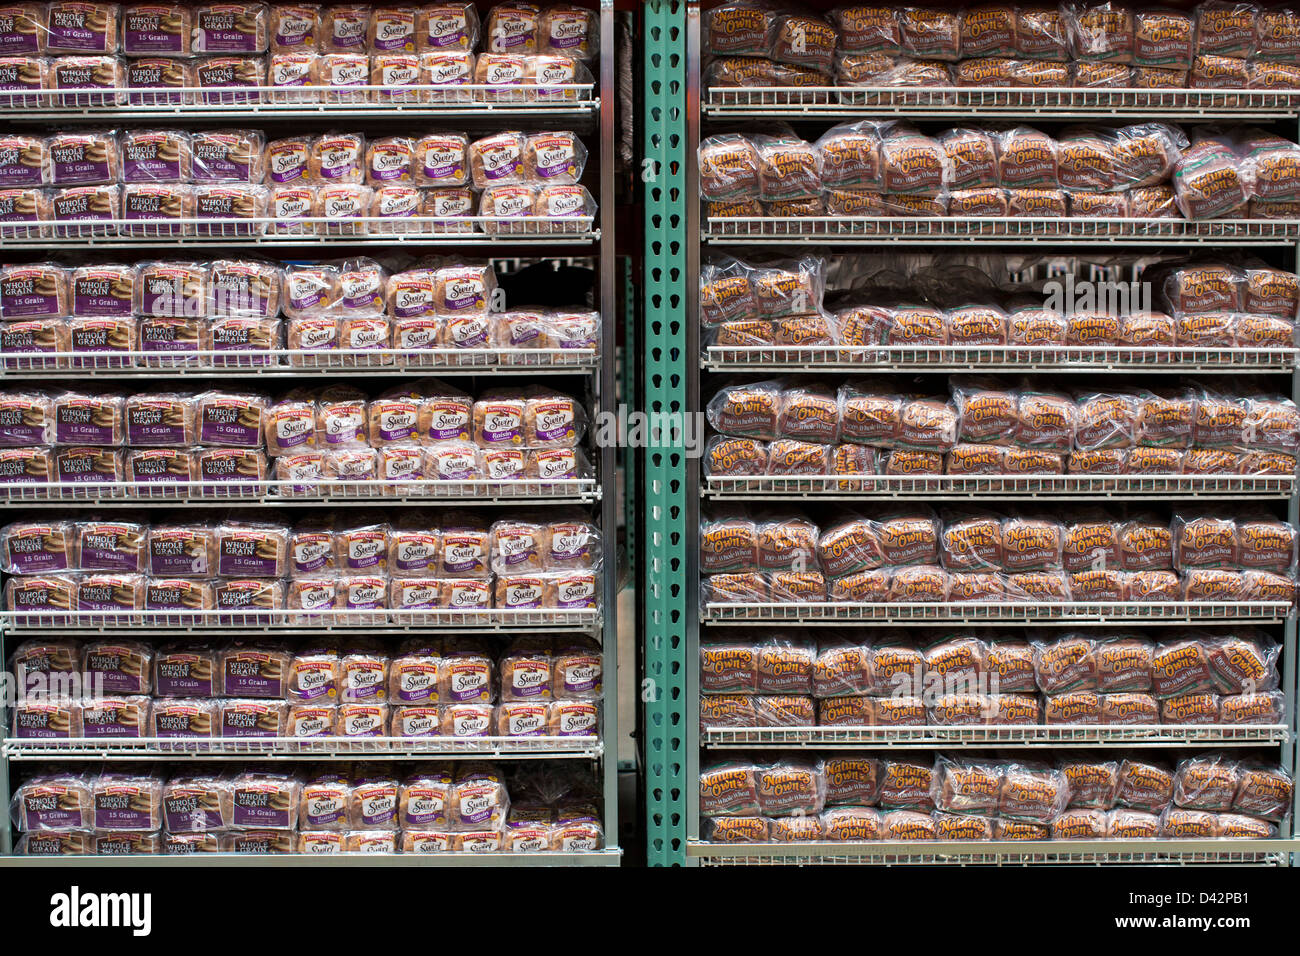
(289, 207)
(157, 80)
(230, 28)
(221, 76)
(109, 546)
(22, 77)
(157, 29)
(254, 670)
(24, 161)
(24, 29)
(245, 597)
(91, 80)
(512, 28)
(570, 30)
(230, 419)
(293, 70)
(79, 27)
(238, 210)
(228, 156)
(127, 801)
(294, 28)
(343, 28)
(930, 34)
(447, 26)
(336, 158)
(286, 160)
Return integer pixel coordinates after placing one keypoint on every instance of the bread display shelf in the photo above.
(303, 748)
(924, 738)
(835, 102)
(297, 362)
(1043, 487)
(945, 359)
(1064, 613)
(470, 102)
(280, 492)
(997, 852)
(295, 621)
(352, 231)
(611, 857)
(923, 230)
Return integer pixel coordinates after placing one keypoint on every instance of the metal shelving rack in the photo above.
(586, 108)
(1000, 487)
(283, 492)
(999, 853)
(1030, 735)
(678, 227)
(254, 231)
(848, 102)
(1091, 360)
(279, 749)
(289, 363)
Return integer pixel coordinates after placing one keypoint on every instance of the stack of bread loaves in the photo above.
(944, 680)
(1221, 44)
(787, 429)
(913, 555)
(1208, 796)
(79, 53)
(463, 807)
(238, 311)
(312, 571)
(423, 687)
(1206, 305)
(425, 431)
(889, 169)
(168, 182)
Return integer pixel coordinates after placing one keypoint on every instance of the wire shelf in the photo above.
(312, 230)
(1171, 360)
(996, 852)
(292, 362)
(471, 101)
(995, 612)
(281, 492)
(302, 748)
(1034, 735)
(1045, 487)
(923, 230)
(290, 620)
(547, 858)
(849, 101)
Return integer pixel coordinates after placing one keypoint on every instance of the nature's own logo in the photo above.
(74, 910)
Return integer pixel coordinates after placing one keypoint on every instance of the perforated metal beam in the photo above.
(663, 491)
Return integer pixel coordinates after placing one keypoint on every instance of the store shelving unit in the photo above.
(588, 109)
(690, 372)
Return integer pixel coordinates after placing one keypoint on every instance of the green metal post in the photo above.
(663, 688)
